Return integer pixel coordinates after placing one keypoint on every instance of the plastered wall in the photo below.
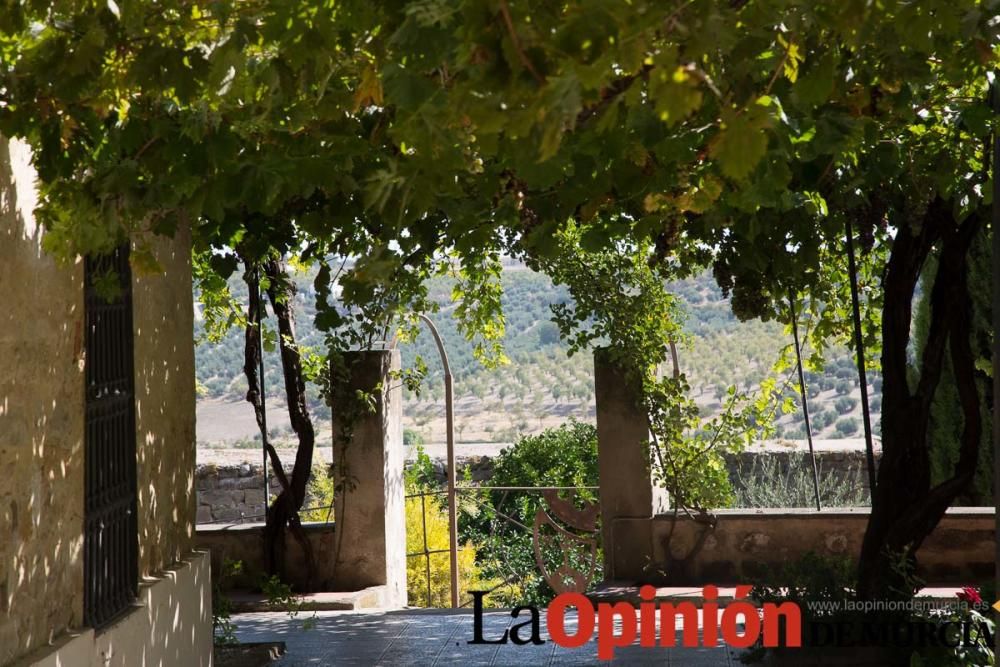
(41, 423)
(42, 418)
(163, 318)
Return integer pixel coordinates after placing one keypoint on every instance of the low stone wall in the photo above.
(245, 543)
(230, 493)
(235, 493)
(748, 543)
(744, 544)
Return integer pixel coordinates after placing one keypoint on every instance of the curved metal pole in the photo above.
(450, 426)
(859, 348)
(995, 224)
(805, 398)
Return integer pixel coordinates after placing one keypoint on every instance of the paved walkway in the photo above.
(438, 637)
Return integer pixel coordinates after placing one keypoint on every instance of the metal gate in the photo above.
(564, 531)
(110, 529)
(556, 541)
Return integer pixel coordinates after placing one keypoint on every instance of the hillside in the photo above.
(541, 386)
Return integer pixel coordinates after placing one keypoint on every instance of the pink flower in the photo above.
(970, 595)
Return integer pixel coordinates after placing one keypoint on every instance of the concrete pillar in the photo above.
(369, 514)
(629, 498)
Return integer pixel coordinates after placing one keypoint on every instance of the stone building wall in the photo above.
(42, 403)
(163, 319)
(41, 423)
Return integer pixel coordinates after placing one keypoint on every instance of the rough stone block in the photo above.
(204, 514)
(227, 514)
(218, 499)
(254, 497)
(254, 482)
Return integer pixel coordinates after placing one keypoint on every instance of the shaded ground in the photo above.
(247, 654)
(439, 637)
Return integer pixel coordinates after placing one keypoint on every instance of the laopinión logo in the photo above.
(741, 624)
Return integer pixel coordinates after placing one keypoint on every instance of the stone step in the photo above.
(368, 598)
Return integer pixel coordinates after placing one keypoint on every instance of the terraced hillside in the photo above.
(541, 386)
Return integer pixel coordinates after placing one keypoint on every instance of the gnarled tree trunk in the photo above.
(284, 511)
(905, 507)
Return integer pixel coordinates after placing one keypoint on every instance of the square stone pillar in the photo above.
(629, 498)
(369, 513)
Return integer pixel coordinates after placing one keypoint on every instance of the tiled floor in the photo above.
(439, 637)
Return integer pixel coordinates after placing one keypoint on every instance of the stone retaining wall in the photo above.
(231, 493)
(245, 543)
(235, 493)
(746, 544)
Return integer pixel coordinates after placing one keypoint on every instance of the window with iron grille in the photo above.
(110, 531)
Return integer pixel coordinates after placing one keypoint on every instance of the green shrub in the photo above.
(846, 426)
(810, 578)
(319, 494)
(845, 404)
(564, 456)
(820, 420)
(509, 434)
(822, 586)
(428, 575)
(765, 484)
(223, 628)
(420, 475)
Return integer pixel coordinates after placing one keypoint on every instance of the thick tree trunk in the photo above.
(284, 510)
(905, 508)
(281, 292)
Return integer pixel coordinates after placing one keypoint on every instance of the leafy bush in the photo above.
(563, 456)
(421, 475)
(412, 437)
(319, 494)
(822, 419)
(818, 584)
(845, 404)
(279, 598)
(810, 578)
(223, 629)
(765, 484)
(509, 434)
(795, 432)
(822, 586)
(428, 575)
(846, 426)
